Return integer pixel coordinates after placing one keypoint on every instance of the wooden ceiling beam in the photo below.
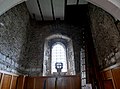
(40, 10)
(52, 10)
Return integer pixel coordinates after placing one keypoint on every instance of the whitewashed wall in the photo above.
(8, 4)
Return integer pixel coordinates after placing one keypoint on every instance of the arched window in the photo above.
(58, 55)
(58, 48)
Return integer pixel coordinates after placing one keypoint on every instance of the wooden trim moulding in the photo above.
(111, 67)
(1, 81)
(11, 82)
(4, 72)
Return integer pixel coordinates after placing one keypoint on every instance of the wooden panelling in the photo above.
(39, 82)
(9, 81)
(102, 75)
(108, 84)
(111, 77)
(61, 82)
(75, 82)
(6, 82)
(107, 74)
(0, 77)
(14, 81)
(30, 83)
(64, 83)
(20, 82)
(116, 77)
(50, 83)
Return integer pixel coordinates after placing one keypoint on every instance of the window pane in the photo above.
(59, 55)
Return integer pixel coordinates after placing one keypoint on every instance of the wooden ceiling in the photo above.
(50, 9)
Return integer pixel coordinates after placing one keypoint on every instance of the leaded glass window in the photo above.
(58, 55)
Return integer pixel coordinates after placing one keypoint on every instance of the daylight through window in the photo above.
(58, 55)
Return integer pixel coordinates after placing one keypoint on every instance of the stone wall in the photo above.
(13, 28)
(36, 39)
(106, 36)
(22, 41)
